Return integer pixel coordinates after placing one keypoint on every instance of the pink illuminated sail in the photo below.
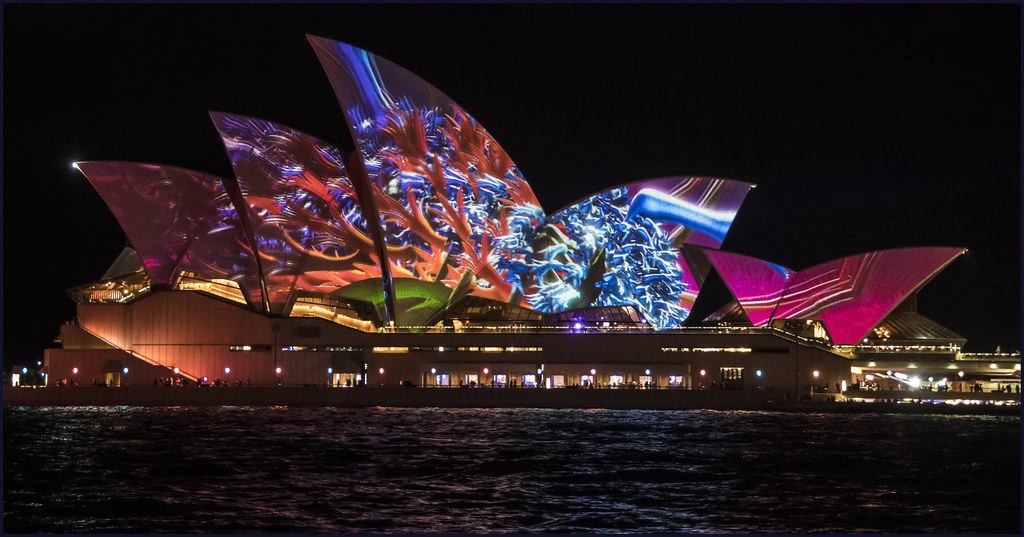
(853, 294)
(756, 284)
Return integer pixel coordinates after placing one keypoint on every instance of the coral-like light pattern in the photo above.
(433, 209)
(307, 221)
(451, 201)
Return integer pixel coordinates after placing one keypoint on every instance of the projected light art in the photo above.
(451, 201)
(307, 221)
(178, 220)
(429, 209)
(621, 246)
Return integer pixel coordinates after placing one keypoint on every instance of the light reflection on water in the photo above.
(305, 470)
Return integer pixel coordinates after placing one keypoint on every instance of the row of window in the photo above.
(706, 349)
(296, 348)
(500, 380)
(455, 349)
(293, 348)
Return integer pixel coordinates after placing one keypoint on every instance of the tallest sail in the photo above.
(454, 209)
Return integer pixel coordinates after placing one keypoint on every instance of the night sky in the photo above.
(864, 127)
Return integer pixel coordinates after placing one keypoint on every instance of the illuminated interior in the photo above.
(117, 290)
(608, 316)
(332, 309)
(222, 288)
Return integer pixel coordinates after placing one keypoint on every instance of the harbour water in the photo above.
(389, 470)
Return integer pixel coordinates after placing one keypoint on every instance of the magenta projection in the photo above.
(756, 284)
(853, 294)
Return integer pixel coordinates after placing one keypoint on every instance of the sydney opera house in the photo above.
(424, 257)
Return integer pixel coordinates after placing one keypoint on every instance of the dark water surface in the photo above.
(305, 470)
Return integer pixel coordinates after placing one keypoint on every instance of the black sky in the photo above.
(864, 127)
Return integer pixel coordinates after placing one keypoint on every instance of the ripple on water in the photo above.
(381, 470)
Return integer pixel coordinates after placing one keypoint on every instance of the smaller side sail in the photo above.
(853, 294)
(756, 284)
(177, 220)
